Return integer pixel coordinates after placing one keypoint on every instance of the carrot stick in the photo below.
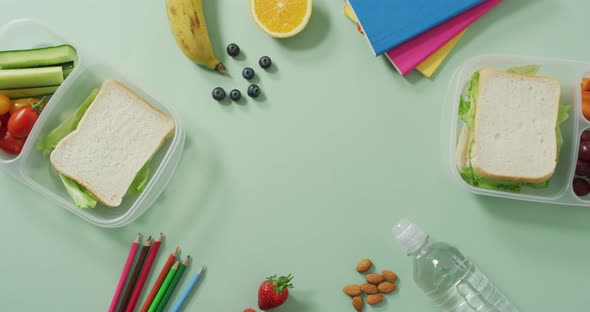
(586, 110)
(586, 104)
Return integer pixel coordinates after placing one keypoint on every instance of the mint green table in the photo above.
(309, 179)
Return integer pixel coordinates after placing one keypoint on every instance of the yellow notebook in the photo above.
(348, 12)
(433, 62)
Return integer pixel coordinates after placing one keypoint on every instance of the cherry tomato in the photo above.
(4, 104)
(19, 103)
(22, 122)
(10, 144)
(4, 121)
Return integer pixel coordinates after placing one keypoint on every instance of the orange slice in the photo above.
(281, 18)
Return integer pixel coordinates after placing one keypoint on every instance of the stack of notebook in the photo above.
(415, 34)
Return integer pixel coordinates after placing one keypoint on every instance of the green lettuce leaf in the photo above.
(48, 143)
(562, 116)
(472, 178)
(528, 70)
(138, 184)
(82, 198)
(468, 103)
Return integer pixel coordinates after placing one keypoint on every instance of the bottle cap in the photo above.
(409, 236)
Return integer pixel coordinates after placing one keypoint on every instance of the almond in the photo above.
(375, 299)
(389, 275)
(375, 278)
(385, 287)
(352, 290)
(369, 288)
(364, 266)
(357, 303)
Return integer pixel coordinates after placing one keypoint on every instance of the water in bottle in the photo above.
(446, 276)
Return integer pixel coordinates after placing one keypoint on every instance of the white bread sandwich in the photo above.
(511, 135)
(112, 145)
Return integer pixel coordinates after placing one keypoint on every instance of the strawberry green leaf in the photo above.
(280, 283)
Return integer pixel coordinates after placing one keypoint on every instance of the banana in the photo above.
(187, 23)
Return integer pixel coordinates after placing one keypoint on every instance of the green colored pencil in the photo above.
(164, 286)
(173, 284)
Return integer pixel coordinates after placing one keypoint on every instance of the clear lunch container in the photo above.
(34, 169)
(570, 74)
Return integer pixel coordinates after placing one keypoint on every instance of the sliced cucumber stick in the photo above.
(67, 71)
(52, 56)
(28, 92)
(31, 77)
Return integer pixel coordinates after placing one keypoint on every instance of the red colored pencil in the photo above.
(144, 251)
(124, 274)
(144, 274)
(160, 280)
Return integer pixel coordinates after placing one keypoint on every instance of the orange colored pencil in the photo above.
(160, 280)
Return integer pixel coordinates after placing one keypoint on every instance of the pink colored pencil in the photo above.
(144, 274)
(125, 273)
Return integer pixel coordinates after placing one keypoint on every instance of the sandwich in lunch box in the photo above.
(103, 151)
(510, 137)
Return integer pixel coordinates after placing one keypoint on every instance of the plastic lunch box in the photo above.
(570, 73)
(34, 169)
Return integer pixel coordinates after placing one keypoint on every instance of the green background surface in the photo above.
(309, 179)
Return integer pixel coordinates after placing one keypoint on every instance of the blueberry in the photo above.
(233, 49)
(235, 95)
(253, 91)
(218, 93)
(265, 62)
(248, 73)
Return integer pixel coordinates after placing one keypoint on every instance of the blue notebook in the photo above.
(389, 23)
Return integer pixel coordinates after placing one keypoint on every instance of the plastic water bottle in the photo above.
(446, 276)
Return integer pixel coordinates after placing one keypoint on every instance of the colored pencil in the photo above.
(158, 283)
(144, 251)
(144, 274)
(173, 284)
(124, 274)
(164, 286)
(187, 290)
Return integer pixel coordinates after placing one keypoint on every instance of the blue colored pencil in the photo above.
(186, 292)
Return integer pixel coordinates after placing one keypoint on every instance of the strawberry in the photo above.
(249, 310)
(274, 291)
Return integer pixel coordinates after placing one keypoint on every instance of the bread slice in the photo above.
(118, 134)
(515, 123)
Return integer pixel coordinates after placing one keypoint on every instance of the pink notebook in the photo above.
(409, 54)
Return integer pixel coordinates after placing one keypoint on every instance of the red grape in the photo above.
(582, 168)
(585, 135)
(584, 152)
(581, 187)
